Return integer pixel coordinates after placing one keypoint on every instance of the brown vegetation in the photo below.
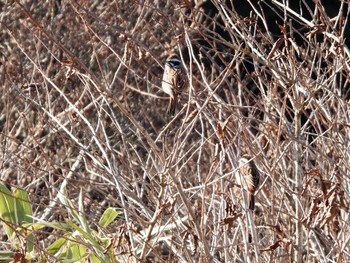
(82, 114)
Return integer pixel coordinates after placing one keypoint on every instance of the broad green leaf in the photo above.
(77, 252)
(57, 246)
(109, 216)
(7, 213)
(95, 259)
(23, 213)
(23, 206)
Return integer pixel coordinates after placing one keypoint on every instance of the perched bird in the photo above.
(173, 80)
(248, 178)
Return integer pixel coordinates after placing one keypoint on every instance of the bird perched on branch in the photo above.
(174, 80)
(248, 178)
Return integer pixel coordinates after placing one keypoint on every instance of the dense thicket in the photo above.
(82, 109)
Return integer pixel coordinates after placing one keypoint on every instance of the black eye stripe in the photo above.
(174, 63)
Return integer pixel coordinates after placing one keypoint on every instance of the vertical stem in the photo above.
(298, 182)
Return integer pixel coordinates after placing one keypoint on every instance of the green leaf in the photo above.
(7, 210)
(23, 206)
(54, 225)
(91, 238)
(34, 226)
(23, 214)
(16, 210)
(77, 252)
(109, 216)
(95, 259)
(82, 218)
(62, 196)
(6, 256)
(57, 246)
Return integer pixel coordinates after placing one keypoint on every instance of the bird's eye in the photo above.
(174, 64)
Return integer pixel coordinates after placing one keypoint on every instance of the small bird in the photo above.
(250, 177)
(173, 80)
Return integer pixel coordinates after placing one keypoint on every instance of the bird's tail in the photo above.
(172, 106)
(251, 201)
